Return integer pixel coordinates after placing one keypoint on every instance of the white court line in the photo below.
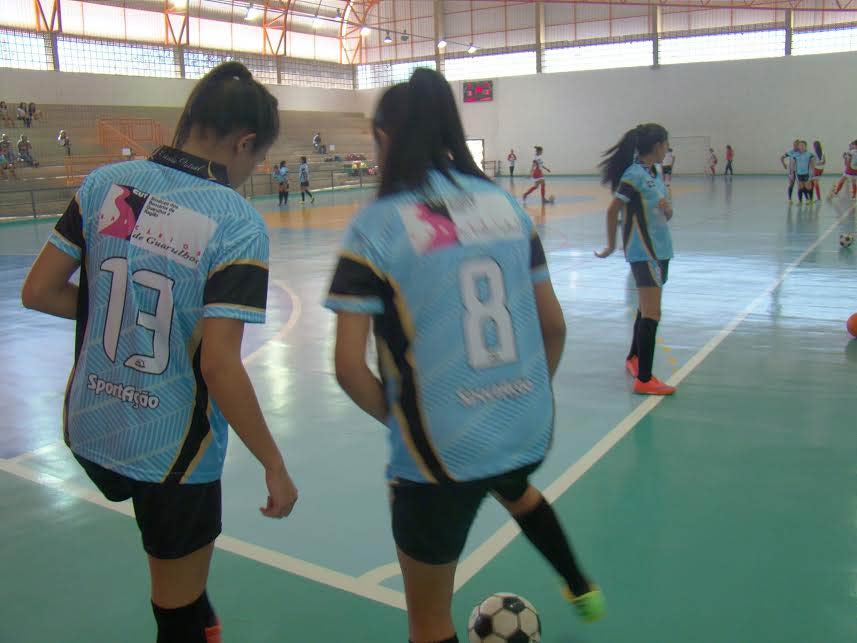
(382, 573)
(263, 555)
(297, 310)
(488, 550)
(37, 452)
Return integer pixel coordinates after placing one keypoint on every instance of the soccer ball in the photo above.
(846, 239)
(504, 618)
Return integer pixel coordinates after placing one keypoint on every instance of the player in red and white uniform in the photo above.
(850, 171)
(820, 161)
(538, 173)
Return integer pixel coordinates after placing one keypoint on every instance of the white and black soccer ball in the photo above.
(846, 239)
(504, 618)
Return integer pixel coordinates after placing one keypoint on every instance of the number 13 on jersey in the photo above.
(489, 333)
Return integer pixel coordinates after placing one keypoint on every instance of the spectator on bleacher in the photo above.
(6, 148)
(24, 115)
(35, 113)
(5, 117)
(25, 152)
(64, 141)
(7, 165)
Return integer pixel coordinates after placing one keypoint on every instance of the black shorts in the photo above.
(431, 521)
(668, 169)
(651, 274)
(174, 519)
(803, 178)
(304, 184)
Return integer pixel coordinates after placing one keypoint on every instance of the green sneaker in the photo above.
(590, 607)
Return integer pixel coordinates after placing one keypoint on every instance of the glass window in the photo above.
(104, 57)
(25, 50)
(608, 56)
(824, 42)
(729, 46)
(197, 63)
(386, 74)
(490, 66)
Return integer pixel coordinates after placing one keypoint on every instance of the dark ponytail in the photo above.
(639, 141)
(227, 99)
(819, 152)
(424, 130)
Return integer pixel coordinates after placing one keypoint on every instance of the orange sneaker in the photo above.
(653, 387)
(633, 365)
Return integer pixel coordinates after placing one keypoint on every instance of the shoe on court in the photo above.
(653, 387)
(633, 365)
(590, 607)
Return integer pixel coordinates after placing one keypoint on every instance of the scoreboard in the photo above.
(478, 91)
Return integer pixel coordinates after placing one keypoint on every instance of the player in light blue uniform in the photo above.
(788, 162)
(804, 169)
(451, 273)
(280, 174)
(632, 170)
(173, 263)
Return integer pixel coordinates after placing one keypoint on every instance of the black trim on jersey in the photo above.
(390, 328)
(196, 165)
(242, 284)
(635, 211)
(355, 279)
(537, 253)
(81, 320)
(70, 224)
(199, 425)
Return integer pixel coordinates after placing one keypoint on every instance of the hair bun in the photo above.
(231, 70)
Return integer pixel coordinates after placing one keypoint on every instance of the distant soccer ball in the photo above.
(846, 239)
(504, 618)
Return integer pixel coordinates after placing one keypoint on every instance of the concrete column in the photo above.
(539, 8)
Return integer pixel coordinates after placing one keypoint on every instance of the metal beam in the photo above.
(48, 15)
(790, 26)
(656, 37)
(439, 33)
(540, 35)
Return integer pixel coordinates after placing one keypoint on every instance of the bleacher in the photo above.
(348, 132)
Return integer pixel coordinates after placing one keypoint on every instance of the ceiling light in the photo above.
(253, 12)
(338, 14)
(472, 48)
(365, 31)
(405, 36)
(387, 38)
(441, 44)
(316, 22)
(179, 4)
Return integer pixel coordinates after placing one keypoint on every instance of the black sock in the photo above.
(286, 197)
(646, 334)
(791, 190)
(633, 352)
(303, 196)
(185, 624)
(543, 530)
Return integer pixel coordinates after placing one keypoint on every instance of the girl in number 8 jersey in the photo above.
(449, 273)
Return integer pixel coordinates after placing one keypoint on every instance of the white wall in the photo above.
(52, 88)
(757, 106)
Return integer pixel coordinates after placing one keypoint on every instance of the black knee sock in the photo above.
(791, 190)
(634, 352)
(647, 331)
(185, 624)
(312, 198)
(286, 197)
(543, 530)
(303, 196)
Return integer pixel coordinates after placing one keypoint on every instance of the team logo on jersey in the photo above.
(429, 227)
(434, 225)
(118, 214)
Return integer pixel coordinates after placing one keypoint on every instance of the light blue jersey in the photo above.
(803, 161)
(646, 231)
(448, 275)
(303, 173)
(162, 245)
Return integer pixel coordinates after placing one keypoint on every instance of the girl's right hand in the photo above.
(609, 250)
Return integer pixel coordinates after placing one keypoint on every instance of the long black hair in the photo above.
(424, 130)
(819, 152)
(227, 99)
(638, 141)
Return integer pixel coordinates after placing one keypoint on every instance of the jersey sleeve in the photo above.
(68, 234)
(626, 190)
(538, 262)
(358, 285)
(237, 285)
